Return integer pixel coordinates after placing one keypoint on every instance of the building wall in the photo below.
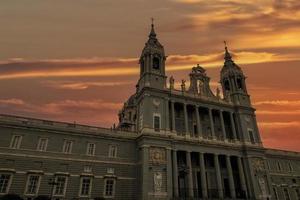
(27, 160)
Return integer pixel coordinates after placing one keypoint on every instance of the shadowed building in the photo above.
(169, 144)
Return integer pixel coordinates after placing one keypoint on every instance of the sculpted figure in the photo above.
(157, 181)
(171, 82)
(183, 85)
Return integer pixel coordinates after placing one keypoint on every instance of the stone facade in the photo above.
(169, 144)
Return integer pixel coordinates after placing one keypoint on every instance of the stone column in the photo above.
(169, 173)
(173, 116)
(175, 174)
(230, 177)
(203, 175)
(211, 123)
(199, 128)
(242, 175)
(222, 124)
(186, 125)
(167, 116)
(145, 171)
(190, 173)
(233, 126)
(256, 130)
(218, 174)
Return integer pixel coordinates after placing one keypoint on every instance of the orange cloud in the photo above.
(126, 66)
(278, 103)
(83, 85)
(274, 125)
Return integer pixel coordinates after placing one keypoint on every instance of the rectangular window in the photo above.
(67, 146)
(33, 182)
(286, 194)
(60, 185)
(5, 180)
(156, 122)
(91, 149)
(251, 136)
(112, 151)
(85, 187)
(16, 141)
(109, 188)
(275, 194)
(42, 144)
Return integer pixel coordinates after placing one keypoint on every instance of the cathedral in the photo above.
(170, 144)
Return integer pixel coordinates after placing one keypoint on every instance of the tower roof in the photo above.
(229, 65)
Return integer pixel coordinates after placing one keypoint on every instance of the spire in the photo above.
(152, 32)
(227, 56)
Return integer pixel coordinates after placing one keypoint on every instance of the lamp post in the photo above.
(52, 182)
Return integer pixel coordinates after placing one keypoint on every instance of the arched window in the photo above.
(226, 85)
(156, 63)
(239, 83)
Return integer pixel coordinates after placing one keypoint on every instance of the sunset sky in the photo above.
(77, 60)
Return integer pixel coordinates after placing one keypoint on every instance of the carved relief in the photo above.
(258, 164)
(157, 155)
(157, 182)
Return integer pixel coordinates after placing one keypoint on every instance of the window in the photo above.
(42, 144)
(156, 122)
(286, 194)
(251, 136)
(60, 185)
(156, 63)
(275, 193)
(239, 83)
(5, 180)
(227, 86)
(67, 146)
(33, 182)
(109, 188)
(91, 149)
(112, 151)
(86, 185)
(16, 141)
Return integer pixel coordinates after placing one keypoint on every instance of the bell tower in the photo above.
(233, 81)
(152, 63)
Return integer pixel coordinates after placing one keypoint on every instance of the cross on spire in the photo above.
(152, 21)
(227, 54)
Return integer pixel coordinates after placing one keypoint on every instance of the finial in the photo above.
(152, 32)
(227, 54)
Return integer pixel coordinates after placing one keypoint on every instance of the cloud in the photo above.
(278, 102)
(275, 125)
(272, 112)
(124, 66)
(12, 101)
(75, 85)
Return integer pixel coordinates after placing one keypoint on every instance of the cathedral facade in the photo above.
(186, 143)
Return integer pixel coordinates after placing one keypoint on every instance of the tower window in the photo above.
(155, 63)
(156, 122)
(239, 83)
(226, 85)
(142, 66)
